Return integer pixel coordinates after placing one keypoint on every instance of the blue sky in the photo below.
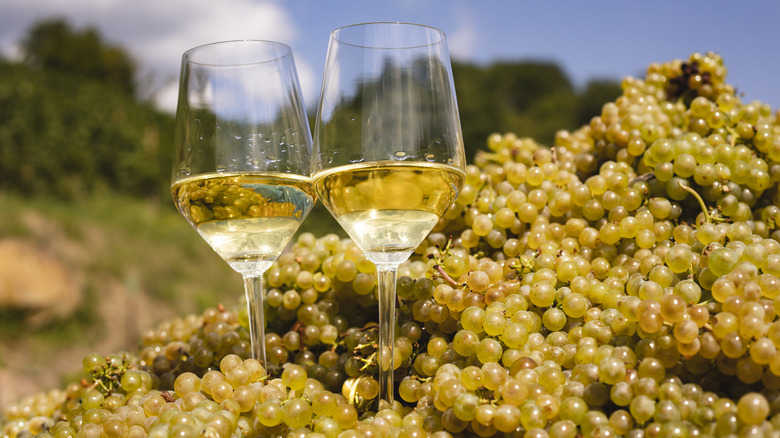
(588, 39)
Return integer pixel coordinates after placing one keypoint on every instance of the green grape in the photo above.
(661, 150)
(701, 106)
(679, 258)
(611, 370)
(629, 227)
(456, 265)
(345, 415)
(756, 254)
(507, 418)
(465, 342)
(294, 377)
(574, 409)
(554, 319)
(722, 260)
(494, 375)
(93, 362)
(762, 351)
(246, 398)
(471, 318)
(471, 377)
(368, 388)
(563, 429)
(478, 281)
(753, 408)
(684, 165)
(621, 393)
(482, 224)
(650, 290)
(133, 380)
(296, 412)
(686, 331)
(269, 413)
(326, 426)
(592, 210)
(708, 233)
(363, 284)
(542, 295)
(673, 308)
(465, 406)
(186, 383)
(733, 345)
(493, 323)
(575, 305)
(408, 389)
(664, 171)
(593, 288)
(489, 350)
(92, 399)
(642, 408)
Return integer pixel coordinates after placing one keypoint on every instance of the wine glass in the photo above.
(388, 155)
(242, 158)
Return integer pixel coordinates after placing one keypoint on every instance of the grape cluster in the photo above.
(224, 198)
(624, 281)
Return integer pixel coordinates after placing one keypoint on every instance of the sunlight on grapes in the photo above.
(621, 282)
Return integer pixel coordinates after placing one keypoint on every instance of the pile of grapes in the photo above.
(622, 282)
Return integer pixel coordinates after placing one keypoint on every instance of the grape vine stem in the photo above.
(445, 276)
(701, 202)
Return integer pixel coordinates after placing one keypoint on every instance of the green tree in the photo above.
(519, 86)
(70, 124)
(53, 45)
(530, 98)
(65, 137)
(479, 114)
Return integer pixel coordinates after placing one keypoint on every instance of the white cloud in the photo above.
(167, 96)
(155, 32)
(464, 40)
(310, 82)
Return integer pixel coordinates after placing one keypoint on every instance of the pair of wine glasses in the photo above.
(386, 158)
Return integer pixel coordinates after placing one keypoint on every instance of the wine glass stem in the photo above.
(386, 276)
(253, 287)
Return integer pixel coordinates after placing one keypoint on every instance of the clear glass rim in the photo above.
(430, 29)
(282, 50)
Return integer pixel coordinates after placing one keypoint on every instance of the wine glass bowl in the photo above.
(388, 94)
(371, 199)
(388, 154)
(242, 158)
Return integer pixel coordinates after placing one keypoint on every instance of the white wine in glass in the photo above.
(242, 158)
(388, 155)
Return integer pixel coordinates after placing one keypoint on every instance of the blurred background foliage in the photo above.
(71, 124)
(85, 184)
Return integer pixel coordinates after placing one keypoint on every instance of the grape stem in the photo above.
(368, 361)
(368, 326)
(108, 376)
(362, 346)
(438, 267)
(643, 177)
(526, 265)
(734, 136)
(444, 275)
(703, 206)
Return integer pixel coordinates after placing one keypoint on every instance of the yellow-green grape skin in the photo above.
(620, 281)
